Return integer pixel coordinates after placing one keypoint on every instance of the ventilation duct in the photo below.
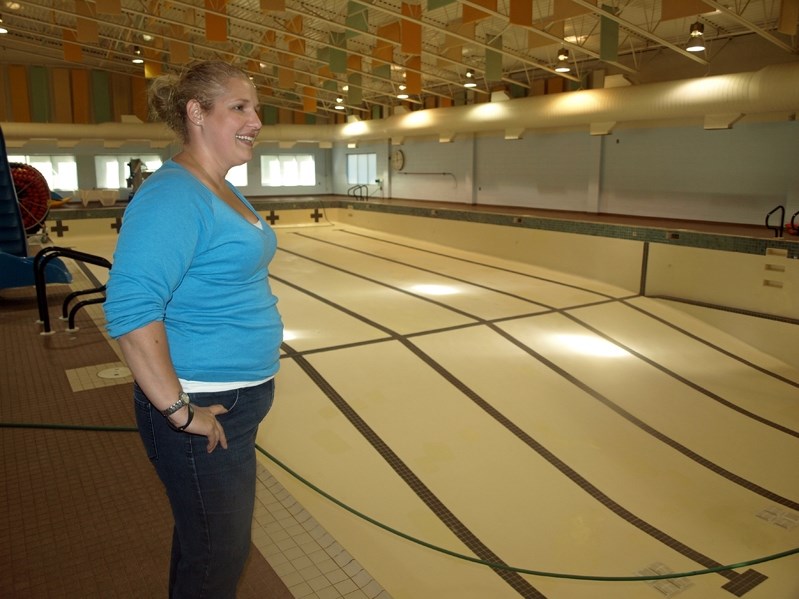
(774, 89)
(719, 99)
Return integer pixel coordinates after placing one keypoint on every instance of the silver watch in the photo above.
(183, 400)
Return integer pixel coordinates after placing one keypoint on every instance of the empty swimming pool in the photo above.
(515, 430)
(529, 420)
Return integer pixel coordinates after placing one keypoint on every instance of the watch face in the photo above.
(398, 160)
(184, 397)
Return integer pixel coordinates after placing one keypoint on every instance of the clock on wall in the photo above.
(398, 160)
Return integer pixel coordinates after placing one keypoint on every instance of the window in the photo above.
(60, 172)
(288, 170)
(361, 169)
(112, 172)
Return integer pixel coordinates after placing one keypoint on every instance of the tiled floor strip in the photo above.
(308, 560)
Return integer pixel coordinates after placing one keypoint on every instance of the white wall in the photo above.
(686, 172)
(732, 175)
(444, 171)
(542, 170)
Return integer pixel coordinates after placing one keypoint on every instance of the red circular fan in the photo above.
(33, 195)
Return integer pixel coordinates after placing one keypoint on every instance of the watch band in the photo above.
(183, 400)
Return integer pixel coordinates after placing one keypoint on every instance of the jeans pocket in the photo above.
(144, 421)
(267, 397)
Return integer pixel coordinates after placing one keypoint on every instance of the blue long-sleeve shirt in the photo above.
(188, 259)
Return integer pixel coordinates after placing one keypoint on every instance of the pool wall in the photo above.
(753, 275)
(611, 260)
(724, 280)
(723, 287)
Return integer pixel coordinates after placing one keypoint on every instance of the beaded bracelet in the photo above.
(188, 421)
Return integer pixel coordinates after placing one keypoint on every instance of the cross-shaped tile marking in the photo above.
(59, 229)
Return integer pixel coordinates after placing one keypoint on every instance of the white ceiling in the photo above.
(741, 35)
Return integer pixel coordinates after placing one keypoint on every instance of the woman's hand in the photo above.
(146, 352)
(204, 423)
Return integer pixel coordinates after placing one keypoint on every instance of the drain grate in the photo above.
(118, 372)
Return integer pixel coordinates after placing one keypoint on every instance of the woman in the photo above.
(189, 301)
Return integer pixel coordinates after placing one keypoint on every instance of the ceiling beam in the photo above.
(349, 51)
(430, 26)
(751, 26)
(552, 37)
(597, 11)
(218, 51)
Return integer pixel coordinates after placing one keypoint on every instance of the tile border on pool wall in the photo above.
(669, 236)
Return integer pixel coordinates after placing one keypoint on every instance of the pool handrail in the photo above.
(40, 262)
(777, 230)
(357, 191)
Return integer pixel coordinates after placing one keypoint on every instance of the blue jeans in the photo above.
(212, 494)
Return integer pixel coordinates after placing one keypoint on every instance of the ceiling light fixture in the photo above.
(696, 41)
(563, 58)
(695, 45)
(2, 26)
(339, 103)
(137, 59)
(402, 95)
(470, 82)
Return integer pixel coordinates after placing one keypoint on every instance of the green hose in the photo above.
(723, 568)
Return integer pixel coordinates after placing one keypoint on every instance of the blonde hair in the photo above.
(202, 81)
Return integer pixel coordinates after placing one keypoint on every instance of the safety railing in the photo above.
(360, 192)
(779, 228)
(39, 264)
(69, 314)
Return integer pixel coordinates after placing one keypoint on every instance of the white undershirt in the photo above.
(215, 386)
